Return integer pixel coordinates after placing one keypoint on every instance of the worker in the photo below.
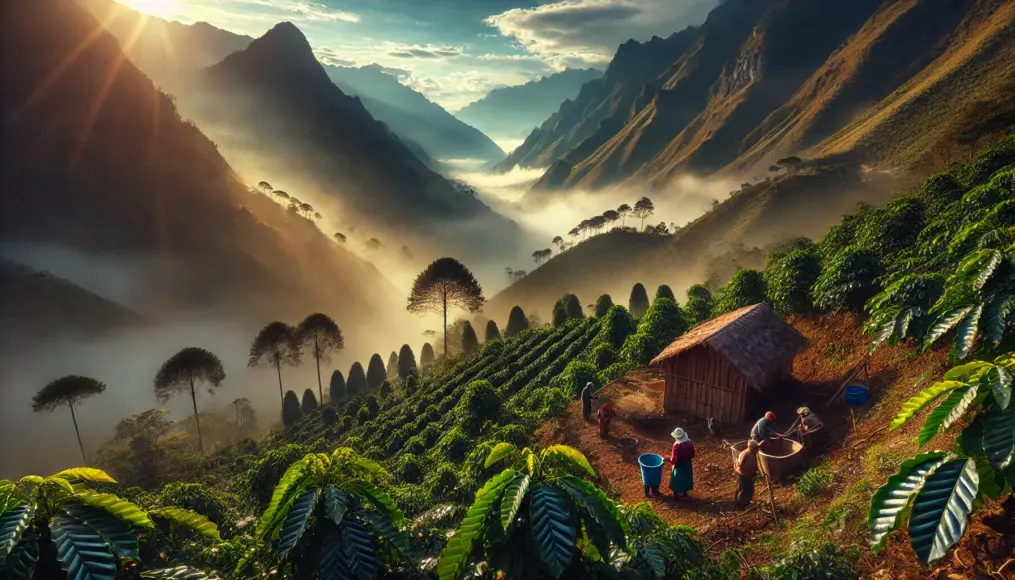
(805, 426)
(682, 476)
(587, 396)
(764, 429)
(746, 468)
(605, 415)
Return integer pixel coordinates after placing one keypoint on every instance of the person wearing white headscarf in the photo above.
(682, 476)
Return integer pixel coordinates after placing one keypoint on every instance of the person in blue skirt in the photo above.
(682, 476)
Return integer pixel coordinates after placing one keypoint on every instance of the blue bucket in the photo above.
(857, 395)
(651, 468)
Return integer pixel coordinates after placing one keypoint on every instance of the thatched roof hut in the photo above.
(719, 368)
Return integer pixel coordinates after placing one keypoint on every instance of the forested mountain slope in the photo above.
(99, 160)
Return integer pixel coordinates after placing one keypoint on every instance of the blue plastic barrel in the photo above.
(651, 468)
(857, 395)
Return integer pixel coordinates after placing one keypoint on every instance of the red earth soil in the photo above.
(835, 345)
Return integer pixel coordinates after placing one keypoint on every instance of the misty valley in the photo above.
(578, 289)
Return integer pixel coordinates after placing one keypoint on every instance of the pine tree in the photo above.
(336, 388)
(426, 356)
(376, 373)
(291, 411)
(517, 322)
(392, 368)
(638, 302)
(492, 331)
(470, 342)
(309, 404)
(406, 364)
(357, 383)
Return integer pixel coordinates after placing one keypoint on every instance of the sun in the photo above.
(161, 8)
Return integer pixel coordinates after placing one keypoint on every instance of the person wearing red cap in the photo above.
(605, 415)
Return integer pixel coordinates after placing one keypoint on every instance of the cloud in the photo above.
(588, 32)
(427, 52)
(328, 55)
(312, 11)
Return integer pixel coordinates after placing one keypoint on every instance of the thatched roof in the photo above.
(754, 339)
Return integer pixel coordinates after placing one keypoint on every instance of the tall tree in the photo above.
(445, 283)
(319, 334)
(309, 404)
(336, 388)
(610, 216)
(185, 371)
(339, 237)
(426, 356)
(243, 411)
(68, 390)
(275, 346)
(517, 322)
(376, 373)
(638, 302)
(574, 233)
(644, 208)
(406, 364)
(559, 242)
(603, 305)
(265, 186)
(291, 410)
(623, 210)
(357, 382)
(665, 291)
(391, 371)
(470, 342)
(492, 331)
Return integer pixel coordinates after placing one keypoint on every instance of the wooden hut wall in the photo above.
(703, 383)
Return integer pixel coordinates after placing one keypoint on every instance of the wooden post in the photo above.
(771, 497)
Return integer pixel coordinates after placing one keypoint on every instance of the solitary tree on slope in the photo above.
(445, 283)
(275, 346)
(186, 371)
(319, 334)
(68, 390)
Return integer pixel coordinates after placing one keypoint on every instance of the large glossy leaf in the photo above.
(514, 495)
(552, 531)
(999, 436)
(13, 524)
(331, 563)
(117, 533)
(119, 507)
(991, 480)
(297, 520)
(1000, 383)
(7, 497)
(965, 334)
(385, 528)
(945, 415)
(988, 265)
(600, 507)
(500, 451)
(941, 508)
(82, 552)
(189, 519)
(89, 474)
(335, 504)
(945, 322)
(653, 558)
(571, 458)
(376, 497)
(21, 561)
(455, 555)
(292, 484)
(922, 400)
(892, 501)
(360, 554)
(967, 372)
(995, 317)
(178, 573)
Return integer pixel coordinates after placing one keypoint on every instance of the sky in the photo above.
(452, 51)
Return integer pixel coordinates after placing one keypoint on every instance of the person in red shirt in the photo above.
(682, 476)
(605, 415)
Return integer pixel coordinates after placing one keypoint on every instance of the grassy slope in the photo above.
(949, 107)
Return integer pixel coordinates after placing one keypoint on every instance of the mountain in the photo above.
(890, 82)
(105, 166)
(273, 109)
(512, 112)
(412, 116)
(165, 50)
(600, 104)
(41, 305)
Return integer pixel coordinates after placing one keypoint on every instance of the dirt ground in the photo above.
(857, 449)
